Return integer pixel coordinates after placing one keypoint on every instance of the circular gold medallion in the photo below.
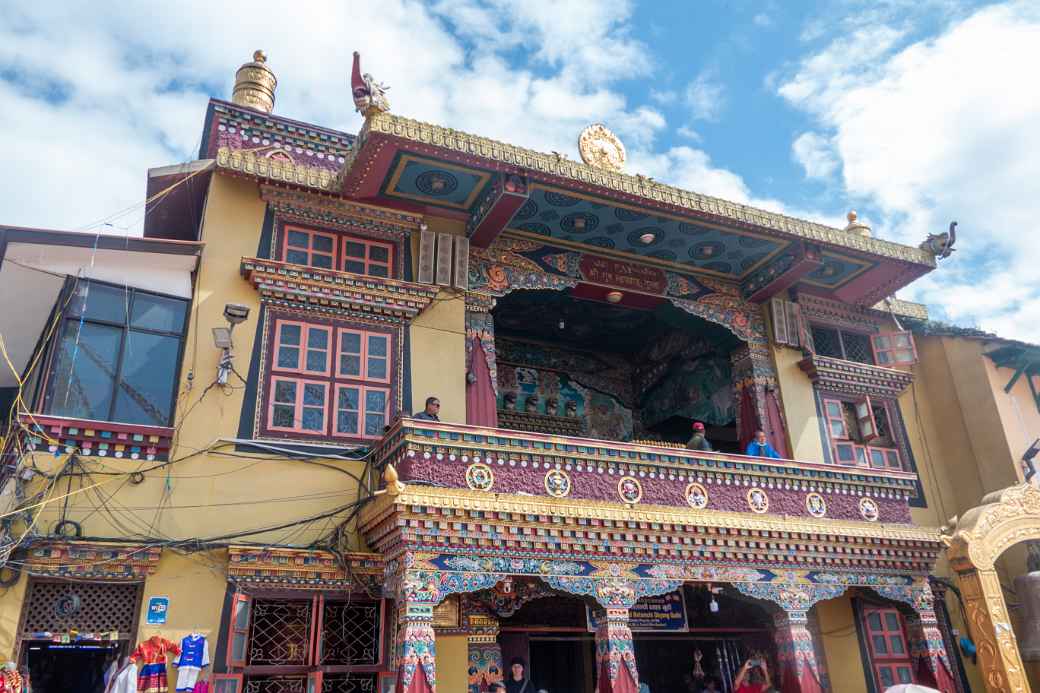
(868, 508)
(757, 500)
(557, 483)
(479, 477)
(697, 496)
(601, 148)
(816, 505)
(629, 489)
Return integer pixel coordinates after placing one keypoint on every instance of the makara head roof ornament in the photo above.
(941, 244)
(369, 95)
(601, 148)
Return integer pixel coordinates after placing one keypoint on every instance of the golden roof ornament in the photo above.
(855, 226)
(255, 84)
(601, 148)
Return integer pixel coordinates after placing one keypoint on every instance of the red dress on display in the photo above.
(150, 657)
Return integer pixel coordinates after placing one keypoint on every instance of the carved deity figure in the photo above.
(509, 401)
(570, 409)
(531, 404)
(552, 406)
(369, 95)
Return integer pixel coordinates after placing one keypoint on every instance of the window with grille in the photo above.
(274, 644)
(842, 344)
(887, 646)
(335, 250)
(90, 607)
(328, 380)
(860, 433)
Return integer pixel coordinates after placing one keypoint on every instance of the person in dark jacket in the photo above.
(516, 680)
(697, 440)
(430, 413)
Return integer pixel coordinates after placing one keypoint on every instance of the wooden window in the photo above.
(860, 433)
(887, 645)
(842, 344)
(298, 405)
(868, 429)
(361, 412)
(238, 631)
(364, 355)
(308, 247)
(302, 348)
(894, 348)
(227, 683)
(367, 257)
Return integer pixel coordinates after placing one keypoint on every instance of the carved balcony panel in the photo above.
(853, 378)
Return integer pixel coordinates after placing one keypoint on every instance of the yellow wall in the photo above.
(452, 663)
(10, 613)
(796, 390)
(195, 586)
(438, 353)
(837, 625)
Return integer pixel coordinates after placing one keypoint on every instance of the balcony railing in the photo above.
(513, 462)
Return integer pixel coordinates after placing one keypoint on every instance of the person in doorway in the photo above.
(697, 440)
(760, 447)
(497, 687)
(431, 412)
(753, 677)
(517, 681)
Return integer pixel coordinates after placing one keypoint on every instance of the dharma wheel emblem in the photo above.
(479, 477)
(601, 148)
(815, 505)
(757, 500)
(868, 508)
(557, 483)
(629, 489)
(697, 496)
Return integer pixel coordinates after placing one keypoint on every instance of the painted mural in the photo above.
(685, 377)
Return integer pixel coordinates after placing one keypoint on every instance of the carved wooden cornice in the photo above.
(250, 164)
(101, 438)
(853, 378)
(93, 560)
(260, 567)
(310, 288)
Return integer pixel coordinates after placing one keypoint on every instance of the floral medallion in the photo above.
(868, 508)
(629, 489)
(601, 148)
(557, 483)
(757, 500)
(696, 496)
(815, 505)
(479, 477)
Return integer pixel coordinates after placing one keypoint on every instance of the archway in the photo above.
(981, 535)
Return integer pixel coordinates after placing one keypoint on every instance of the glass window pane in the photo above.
(288, 357)
(378, 271)
(285, 391)
(374, 424)
(377, 345)
(882, 342)
(883, 358)
(377, 368)
(896, 644)
(350, 342)
(861, 455)
(347, 422)
(313, 419)
(834, 409)
(354, 266)
(296, 257)
(348, 398)
(903, 355)
(904, 675)
(375, 401)
(158, 313)
(355, 249)
(241, 614)
(299, 239)
(84, 371)
(846, 453)
(289, 334)
(316, 360)
(323, 244)
(886, 676)
(283, 416)
(350, 365)
(874, 621)
(901, 340)
(317, 338)
(145, 394)
(892, 457)
(313, 395)
(378, 253)
(100, 302)
(877, 458)
(238, 647)
(891, 620)
(880, 646)
(866, 428)
(321, 261)
(838, 429)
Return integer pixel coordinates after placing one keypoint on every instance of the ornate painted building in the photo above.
(274, 492)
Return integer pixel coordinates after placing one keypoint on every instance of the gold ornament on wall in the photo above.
(601, 148)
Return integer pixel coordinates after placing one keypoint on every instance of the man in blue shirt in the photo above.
(430, 413)
(760, 447)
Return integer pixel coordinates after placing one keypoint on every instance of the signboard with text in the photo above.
(666, 612)
(158, 607)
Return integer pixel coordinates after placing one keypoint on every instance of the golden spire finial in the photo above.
(393, 486)
(255, 84)
(855, 226)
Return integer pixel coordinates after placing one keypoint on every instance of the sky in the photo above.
(915, 113)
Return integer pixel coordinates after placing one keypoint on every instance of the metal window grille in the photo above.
(350, 633)
(349, 683)
(91, 607)
(276, 684)
(280, 633)
(826, 342)
(857, 347)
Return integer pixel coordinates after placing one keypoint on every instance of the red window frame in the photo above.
(239, 628)
(298, 405)
(227, 683)
(304, 346)
(309, 250)
(868, 429)
(849, 452)
(894, 348)
(337, 258)
(370, 371)
(885, 658)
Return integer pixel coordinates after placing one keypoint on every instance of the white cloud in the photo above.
(815, 155)
(705, 96)
(664, 98)
(943, 129)
(689, 133)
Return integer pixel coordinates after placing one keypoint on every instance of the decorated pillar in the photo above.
(481, 367)
(799, 670)
(416, 647)
(485, 653)
(932, 664)
(615, 654)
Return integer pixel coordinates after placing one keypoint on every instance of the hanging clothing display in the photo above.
(151, 657)
(123, 680)
(193, 659)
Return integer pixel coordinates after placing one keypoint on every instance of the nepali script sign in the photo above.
(664, 613)
(623, 275)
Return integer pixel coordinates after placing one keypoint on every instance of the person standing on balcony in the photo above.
(517, 681)
(760, 447)
(433, 408)
(697, 440)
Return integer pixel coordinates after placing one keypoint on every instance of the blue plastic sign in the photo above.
(666, 612)
(157, 608)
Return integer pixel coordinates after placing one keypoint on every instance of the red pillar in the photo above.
(928, 648)
(615, 654)
(416, 649)
(799, 672)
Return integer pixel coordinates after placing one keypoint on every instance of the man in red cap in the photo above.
(697, 440)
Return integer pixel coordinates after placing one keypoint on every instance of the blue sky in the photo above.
(913, 113)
